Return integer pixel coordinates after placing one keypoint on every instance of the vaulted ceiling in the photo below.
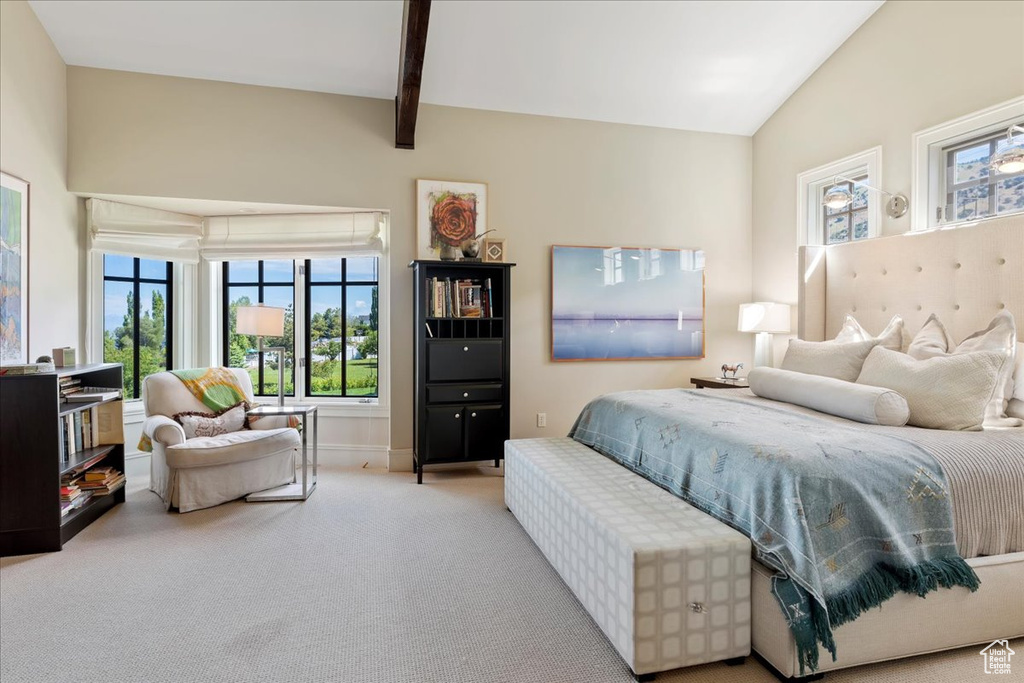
(707, 66)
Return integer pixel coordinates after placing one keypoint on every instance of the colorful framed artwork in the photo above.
(13, 269)
(626, 303)
(493, 250)
(447, 214)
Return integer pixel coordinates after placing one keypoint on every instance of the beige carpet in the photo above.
(372, 579)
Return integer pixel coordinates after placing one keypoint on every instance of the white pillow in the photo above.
(1001, 335)
(859, 402)
(1015, 407)
(945, 392)
(828, 359)
(891, 337)
(212, 424)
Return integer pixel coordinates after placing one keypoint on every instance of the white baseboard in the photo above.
(346, 455)
(136, 465)
(353, 455)
(400, 460)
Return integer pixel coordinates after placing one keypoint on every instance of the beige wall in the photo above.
(33, 146)
(911, 65)
(552, 181)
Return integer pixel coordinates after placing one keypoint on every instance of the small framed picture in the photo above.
(494, 250)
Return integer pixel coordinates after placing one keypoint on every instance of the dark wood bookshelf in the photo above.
(31, 412)
(461, 369)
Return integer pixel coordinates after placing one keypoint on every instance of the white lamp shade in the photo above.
(263, 321)
(764, 316)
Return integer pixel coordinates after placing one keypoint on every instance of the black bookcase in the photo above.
(31, 466)
(462, 368)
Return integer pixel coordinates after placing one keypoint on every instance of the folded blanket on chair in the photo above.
(217, 389)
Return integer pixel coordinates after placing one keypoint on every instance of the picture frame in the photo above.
(448, 212)
(14, 273)
(627, 303)
(493, 250)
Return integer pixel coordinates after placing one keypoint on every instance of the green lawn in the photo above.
(361, 376)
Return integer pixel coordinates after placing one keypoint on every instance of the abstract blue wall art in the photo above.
(626, 303)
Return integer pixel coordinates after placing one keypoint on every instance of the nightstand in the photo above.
(719, 383)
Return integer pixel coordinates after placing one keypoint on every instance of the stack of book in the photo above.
(72, 496)
(68, 386)
(101, 481)
(449, 298)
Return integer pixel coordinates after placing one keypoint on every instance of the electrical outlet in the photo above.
(542, 419)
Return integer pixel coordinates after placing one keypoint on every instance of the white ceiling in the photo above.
(700, 65)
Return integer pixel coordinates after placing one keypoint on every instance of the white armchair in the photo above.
(191, 474)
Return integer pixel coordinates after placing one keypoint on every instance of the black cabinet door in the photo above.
(444, 430)
(464, 360)
(485, 432)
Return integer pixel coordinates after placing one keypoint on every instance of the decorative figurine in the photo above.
(726, 368)
(471, 247)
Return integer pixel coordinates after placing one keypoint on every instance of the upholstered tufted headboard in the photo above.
(966, 275)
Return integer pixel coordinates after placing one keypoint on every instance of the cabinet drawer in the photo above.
(462, 393)
(464, 360)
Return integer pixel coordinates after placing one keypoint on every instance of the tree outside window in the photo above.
(136, 317)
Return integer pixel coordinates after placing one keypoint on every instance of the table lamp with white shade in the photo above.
(764, 318)
(265, 321)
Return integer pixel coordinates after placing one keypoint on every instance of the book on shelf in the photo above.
(100, 425)
(94, 394)
(100, 473)
(110, 483)
(26, 369)
(465, 298)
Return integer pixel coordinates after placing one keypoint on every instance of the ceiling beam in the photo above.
(415, 16)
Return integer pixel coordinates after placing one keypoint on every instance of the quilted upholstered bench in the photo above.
(668, 585)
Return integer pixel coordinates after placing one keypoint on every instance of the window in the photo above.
(851, 222)
(952, 181)
(862, 219)
(972, 189)
(341, 317)
(248, 283)
(137, 314)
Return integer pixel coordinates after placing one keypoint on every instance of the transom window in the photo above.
(851, 222)
(137, 314)
(247, 283)
(341, 316)
(973, 189)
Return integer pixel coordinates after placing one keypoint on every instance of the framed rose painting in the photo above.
(447, 214)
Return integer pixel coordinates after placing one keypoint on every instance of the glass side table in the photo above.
(296, 490)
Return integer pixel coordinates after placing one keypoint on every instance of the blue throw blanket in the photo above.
(847, 516)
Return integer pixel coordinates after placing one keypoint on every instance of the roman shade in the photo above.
(233, 238)
(116, 228)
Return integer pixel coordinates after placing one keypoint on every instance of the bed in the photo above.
(966, 276)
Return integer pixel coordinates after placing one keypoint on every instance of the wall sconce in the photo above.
(839, 197)
(1010, 159)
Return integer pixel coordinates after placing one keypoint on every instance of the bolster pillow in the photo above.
(858, 402)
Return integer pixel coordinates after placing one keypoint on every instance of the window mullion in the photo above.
(344, 327)
(135, 330)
